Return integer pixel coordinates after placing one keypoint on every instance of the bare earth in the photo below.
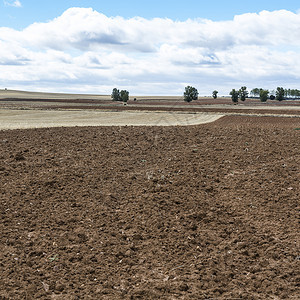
(207, 211)
(188, 212)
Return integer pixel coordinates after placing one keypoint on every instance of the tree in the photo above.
(263, 95)
(288, 93)
(243, 93)
(255, 92)
(124, 95)
(291, 93)
(280, 94)
(297, 93)
(234, 96)
(115, 95)
(190, 94)
(215, 94)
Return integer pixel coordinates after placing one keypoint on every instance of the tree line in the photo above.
(242, 94)
(279, 94)
(191, 93)
(286, 93)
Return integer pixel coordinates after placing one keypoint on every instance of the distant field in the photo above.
(14, 94)
(20, 109)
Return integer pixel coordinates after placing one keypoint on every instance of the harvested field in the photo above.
(14, 119)
(190, 212)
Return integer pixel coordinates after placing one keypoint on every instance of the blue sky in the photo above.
(92, 46)
(41, 11)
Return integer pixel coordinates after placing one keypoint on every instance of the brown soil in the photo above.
(150, 101)
(153, 108)
(200, 212)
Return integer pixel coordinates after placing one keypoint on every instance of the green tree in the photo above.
(255, 92)
(234, 96)
(115, 95)
(215, 94)
(243, 93)
(288, 93)
(280, 93)
(124, 95)
(190, 94)
(294, 93)
(263, 95)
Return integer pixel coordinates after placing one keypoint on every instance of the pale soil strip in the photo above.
(22, 119)
(10, 104)
(13, 94)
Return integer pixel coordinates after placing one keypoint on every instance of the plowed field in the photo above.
(195, 212)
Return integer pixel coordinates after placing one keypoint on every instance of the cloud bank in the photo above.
(85, 51)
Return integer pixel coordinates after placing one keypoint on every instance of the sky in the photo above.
(152, 47)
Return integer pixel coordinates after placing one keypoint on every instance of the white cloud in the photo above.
(85, 50)
(15, 3)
